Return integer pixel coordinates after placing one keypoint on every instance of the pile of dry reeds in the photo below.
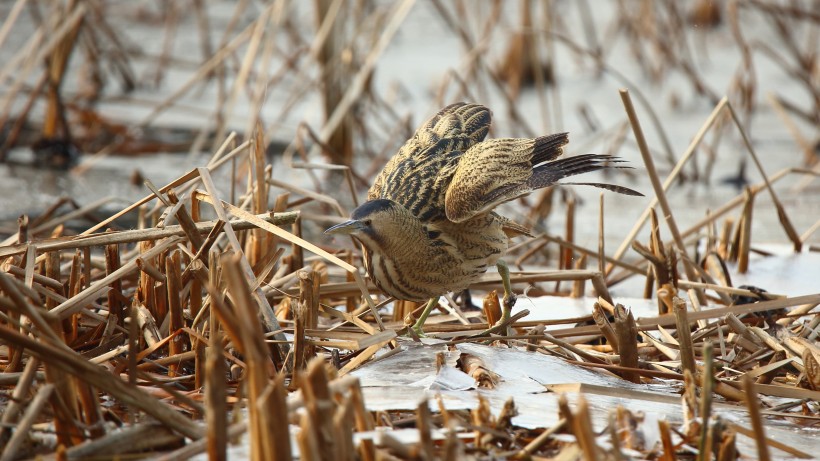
(166, 330)
(216, 316)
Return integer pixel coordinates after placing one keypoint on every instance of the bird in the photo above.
(428, 227)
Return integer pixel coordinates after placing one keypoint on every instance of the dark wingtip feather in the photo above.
(549, 147)
(549, 173)
(610, 187)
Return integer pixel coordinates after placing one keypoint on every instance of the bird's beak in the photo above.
(347, 227)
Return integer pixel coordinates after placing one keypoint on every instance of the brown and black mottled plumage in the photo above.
(428, 227)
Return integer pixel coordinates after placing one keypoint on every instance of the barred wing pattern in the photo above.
(418, 176)
(448, 171)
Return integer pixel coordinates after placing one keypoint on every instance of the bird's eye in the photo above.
(367, 222)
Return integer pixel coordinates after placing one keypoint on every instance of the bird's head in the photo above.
(378, 224)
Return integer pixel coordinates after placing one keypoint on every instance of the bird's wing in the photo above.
(418, 175)
(499, 170)
(495, 171)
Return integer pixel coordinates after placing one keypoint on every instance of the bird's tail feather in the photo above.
(550, 173)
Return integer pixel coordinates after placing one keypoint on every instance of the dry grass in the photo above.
(154, 342)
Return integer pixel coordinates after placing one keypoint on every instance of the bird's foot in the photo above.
(509, 296)
(415, 325)
(418, 331)
(422, 318)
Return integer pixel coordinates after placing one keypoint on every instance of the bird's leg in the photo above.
(423, 317)
(509, 297)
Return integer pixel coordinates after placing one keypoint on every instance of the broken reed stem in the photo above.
(781, 212)
(687, 354)
(733, 203)
(50, 282)
(707, 387)
(72, 363)
(335, 73)
(752, 402)
(142, 437)
(425, 426)
(343, 430)
(68, 25)
(575, 350)
(579, 285)
(319, 405)
(133, 345)
(364, 421)
(196, 447)
(660, 193)
(360, 80)
(32, 413)
(582, 428)
(305, 317)
(186, 221)
(600, 287)
(281, 233)
(174, 292)
(566, 253)
(615, 427)
(11, 19)
(216, 416)
(601, 320)
(720, 289)
(666, 441)
(221, 208)
(744, 242)
(690, 150)
(18, 396)
(627, 333)
(539, 441)
(601, 253)
(11, 288)
(246, 333)
(588, 252)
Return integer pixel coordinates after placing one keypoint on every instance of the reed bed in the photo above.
(204, 313)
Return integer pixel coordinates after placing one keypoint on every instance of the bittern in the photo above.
(428, 227)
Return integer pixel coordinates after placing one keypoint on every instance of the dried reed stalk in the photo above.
(71, 363)
(37, 405)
